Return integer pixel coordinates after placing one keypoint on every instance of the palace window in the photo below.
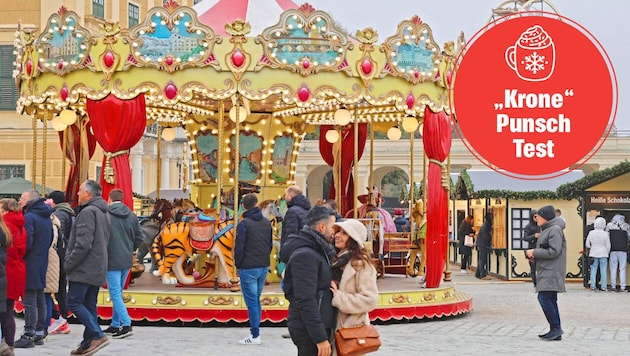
(98, 8)
(11, 171)
(8, 89)
(134, 14)
(520, 219)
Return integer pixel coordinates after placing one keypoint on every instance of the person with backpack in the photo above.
(65, 214)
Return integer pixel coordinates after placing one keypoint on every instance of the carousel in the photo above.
(245, 101)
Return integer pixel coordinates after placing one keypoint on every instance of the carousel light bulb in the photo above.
(332, 136)
(68, 117)
(168, 134)
(242, 113)
(394, 133)
(342, 117)
(57, 124)
(410, 124)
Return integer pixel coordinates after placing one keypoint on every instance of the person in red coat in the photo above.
(15, 267)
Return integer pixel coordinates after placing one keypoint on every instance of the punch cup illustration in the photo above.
(533, 56)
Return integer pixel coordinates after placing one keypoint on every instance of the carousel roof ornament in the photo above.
(216, 13)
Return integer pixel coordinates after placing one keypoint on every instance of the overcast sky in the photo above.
(607, 20)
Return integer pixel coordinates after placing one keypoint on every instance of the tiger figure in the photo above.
(178, 241)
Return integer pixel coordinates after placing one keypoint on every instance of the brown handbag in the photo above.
(357, 340)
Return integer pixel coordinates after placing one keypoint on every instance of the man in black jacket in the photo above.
(295, 217)
(125, 236)
(531, 233)
(484, 242)
(251, 253)
(309, 256)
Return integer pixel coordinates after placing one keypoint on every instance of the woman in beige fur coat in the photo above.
(354, 288)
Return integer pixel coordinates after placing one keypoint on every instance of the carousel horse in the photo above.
(161, 215)
(271, 210)
(370, 209)
(179, 241)
(417, 260)
(227, 198)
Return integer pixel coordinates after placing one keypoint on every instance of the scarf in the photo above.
(340, 261)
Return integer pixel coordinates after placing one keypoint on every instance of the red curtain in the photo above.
(118, 125)
(77, 141)
(437, 138)
(347, 161)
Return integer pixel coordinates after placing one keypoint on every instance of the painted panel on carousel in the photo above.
(412, 52)
(305, 41)
(281, 158)
(171, 38)
(208, 151)
(250, 160)
(64, 44)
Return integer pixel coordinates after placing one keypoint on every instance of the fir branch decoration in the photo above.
(572, 190)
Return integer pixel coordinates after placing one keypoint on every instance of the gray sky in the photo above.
(607, 20)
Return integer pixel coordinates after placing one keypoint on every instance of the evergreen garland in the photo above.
(573, 190)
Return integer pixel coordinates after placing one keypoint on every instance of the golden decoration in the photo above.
(400, 298)
(168, 300)
(429, 297)
(238, 27)
(221, 300)
(269, 301)
(108, 172)
(368, 35)
(126, 298)
(109, 29)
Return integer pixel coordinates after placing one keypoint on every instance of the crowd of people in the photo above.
(329, 280)
(55, 259)
(607, 249)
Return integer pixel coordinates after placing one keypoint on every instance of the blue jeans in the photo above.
(82, 301)
(34, 312)
(252, 283)
(115, 282)
(549, 303)
(602, 262)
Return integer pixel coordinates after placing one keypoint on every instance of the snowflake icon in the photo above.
(534, 62)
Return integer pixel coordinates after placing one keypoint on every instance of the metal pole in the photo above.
(355, 172)
(237, 159)
(34, 161)
(220, 157)
(411, 180)
(159, 162)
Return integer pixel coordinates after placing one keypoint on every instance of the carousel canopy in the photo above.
(259, 14)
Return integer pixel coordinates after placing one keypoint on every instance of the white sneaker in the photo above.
(463, 272)
(250, 340)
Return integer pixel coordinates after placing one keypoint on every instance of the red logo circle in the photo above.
(534, 96)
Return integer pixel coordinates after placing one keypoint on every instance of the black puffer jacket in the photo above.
(307, 284)
(63, 212)
(530, 231)
(253, 240)
(295, 218)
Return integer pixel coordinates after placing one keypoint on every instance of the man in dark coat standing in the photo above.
(86, 264)
(251, 254)
(39, 234)
(309, 257)
(295, 217)
(484, 241)
(125, 236)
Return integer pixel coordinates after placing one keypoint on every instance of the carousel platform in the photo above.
(401, 299)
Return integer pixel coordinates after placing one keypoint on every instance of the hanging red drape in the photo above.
(118, 125)
(436, 137)
(347, 161)
(77, 141)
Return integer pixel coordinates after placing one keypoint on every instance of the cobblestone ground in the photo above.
(506, 319)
